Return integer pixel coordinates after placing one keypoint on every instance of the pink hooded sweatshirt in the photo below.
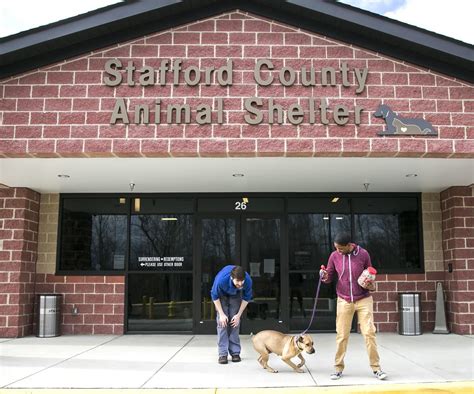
(348, 268)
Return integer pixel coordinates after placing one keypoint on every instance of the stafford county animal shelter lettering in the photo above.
(307, 109)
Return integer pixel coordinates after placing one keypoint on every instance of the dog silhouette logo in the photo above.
(396, 125)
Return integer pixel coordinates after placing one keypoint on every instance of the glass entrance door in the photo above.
(159, 280)
(261, 236)
(254, 242)
(218, 246)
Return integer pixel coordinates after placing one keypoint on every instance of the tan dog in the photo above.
(285, 346)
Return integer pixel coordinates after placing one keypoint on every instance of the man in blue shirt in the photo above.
(231, 292)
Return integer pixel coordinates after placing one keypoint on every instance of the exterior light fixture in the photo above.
(238, 175)
(65, 176)
(325, 217)
(169, 219)
(137, 205)
(411, 175)
(335, 199)
(339, 218)
(122, 200)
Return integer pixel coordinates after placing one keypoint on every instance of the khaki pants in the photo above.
(365, 316)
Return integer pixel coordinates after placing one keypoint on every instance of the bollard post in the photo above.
(171, 309)
(151, 305)
(144, 302)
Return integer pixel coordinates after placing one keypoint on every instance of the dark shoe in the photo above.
(236, 358)
(222, 360)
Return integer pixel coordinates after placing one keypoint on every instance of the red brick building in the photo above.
(145, 146)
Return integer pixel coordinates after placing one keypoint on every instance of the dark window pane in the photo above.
(263, 240)
(218, 249)
(310, 244)
(339, 224)
(93, 234)
(311, 238)
(160, 302)
(391, 240)
(308, 241)
(161, 242)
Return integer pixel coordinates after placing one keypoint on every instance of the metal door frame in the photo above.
(209, 326)
(282, 323)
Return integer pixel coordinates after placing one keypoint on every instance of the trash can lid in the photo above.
(49, 295)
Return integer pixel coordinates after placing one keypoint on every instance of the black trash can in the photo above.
(410, 314)
(48, 322)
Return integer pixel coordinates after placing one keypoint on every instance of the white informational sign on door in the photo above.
(269, 266)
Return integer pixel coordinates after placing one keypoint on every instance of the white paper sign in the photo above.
(255, 270)
(119, 261)
(269, 266)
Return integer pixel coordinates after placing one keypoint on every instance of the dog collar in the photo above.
(297, 337)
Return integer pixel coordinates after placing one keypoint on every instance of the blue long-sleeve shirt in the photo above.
(223, 285)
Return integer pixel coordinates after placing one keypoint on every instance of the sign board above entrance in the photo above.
(313, 110)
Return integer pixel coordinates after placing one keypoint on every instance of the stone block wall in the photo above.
(458, 245)
(19, 216)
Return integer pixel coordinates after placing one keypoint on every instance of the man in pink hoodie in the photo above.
(346, 264)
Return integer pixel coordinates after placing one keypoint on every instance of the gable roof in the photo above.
(134, 18)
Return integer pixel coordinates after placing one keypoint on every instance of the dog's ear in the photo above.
(300, 339)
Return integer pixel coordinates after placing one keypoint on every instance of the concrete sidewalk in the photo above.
(190, 362)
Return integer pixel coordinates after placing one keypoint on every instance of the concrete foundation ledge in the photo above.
(386, 387)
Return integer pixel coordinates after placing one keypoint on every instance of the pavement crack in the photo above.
(312, 377)
(166, 363)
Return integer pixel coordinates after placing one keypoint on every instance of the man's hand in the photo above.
(371, 286)
(235, 321)
(323, 273)
(223, 319)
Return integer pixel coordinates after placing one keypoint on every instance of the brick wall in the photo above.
(458, 246)
(19, 208)
(99, 299)
(386, 311)
(64, 110)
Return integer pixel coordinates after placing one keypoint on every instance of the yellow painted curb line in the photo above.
(416, 388)
(389, 388)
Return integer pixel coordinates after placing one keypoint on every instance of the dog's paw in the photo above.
(299, 370)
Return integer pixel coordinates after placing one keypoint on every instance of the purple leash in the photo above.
(315, 303)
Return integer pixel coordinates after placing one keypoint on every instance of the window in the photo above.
(160, 302)
(388, 228)
(310, 244)
(161, 242)
(93, 234)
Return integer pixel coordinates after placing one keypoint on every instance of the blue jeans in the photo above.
(228, 340)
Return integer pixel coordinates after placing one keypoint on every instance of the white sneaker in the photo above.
(336, 375)
(380, 375)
